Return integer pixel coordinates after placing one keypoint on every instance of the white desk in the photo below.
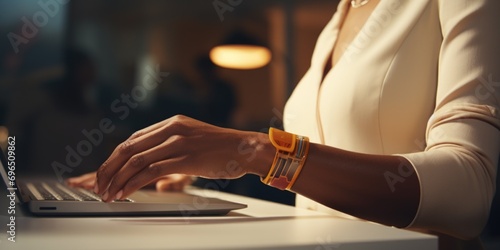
(263, 225)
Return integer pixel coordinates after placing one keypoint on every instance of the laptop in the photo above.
(49, 197)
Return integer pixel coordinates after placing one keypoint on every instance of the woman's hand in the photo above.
(86, 181)
(186, 146)
(171, 182)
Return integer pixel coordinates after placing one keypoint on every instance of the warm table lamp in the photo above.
(240, 51)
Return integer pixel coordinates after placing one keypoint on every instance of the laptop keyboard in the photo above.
(57, 191)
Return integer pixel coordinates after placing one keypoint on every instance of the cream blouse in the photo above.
(420, 80)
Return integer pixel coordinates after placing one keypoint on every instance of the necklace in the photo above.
(357, 4)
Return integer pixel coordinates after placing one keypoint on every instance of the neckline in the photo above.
(340, 16)
(327, 65)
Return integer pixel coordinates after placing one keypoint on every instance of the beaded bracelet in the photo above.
(291, 154)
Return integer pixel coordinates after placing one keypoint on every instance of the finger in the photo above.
(134, 165)
(174, 125)
(187, 180)
(173, 182)
(81, 178)
(153, 182)
(75, 181)
(88, 184)
(165, 185)
(154, 127)
(148, 129)
(164, 167)
(122, 154)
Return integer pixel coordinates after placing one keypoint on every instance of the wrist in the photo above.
(261, 160)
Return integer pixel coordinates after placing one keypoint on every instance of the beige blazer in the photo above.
(421, 80)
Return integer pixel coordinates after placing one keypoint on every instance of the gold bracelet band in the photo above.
(291, 154)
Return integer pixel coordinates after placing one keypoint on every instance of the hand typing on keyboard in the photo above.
(172, 182)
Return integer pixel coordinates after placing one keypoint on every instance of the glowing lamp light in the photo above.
(240, 51)
(240, 56)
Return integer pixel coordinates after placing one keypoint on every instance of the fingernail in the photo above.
(105, 196)
(119, 195)
(96, 189)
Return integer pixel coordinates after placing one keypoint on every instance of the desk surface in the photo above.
(263, 225)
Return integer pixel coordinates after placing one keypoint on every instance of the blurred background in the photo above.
(67, 66)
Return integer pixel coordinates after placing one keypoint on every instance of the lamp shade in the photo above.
(240, 51)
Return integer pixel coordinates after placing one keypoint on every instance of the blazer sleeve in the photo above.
(457, 169)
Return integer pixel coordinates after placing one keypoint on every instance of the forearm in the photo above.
(359, 184)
